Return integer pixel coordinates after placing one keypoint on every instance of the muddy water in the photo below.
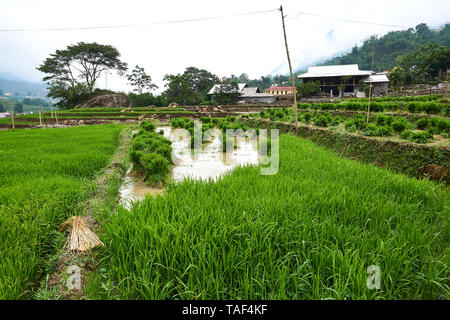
(208, 163)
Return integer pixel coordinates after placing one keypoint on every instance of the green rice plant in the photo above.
(156, 167)
(45, 175)
(308, 232)
(147, 126)
(146, 145)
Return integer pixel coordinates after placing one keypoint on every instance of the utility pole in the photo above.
(370, 82)
(12, 120)
(294, 91)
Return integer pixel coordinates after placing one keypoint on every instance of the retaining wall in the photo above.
(404, 157)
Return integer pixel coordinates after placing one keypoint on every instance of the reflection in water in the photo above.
(210, 162)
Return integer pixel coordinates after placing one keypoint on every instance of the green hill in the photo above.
(392, 45)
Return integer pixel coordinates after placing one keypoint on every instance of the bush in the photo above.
(443, 125)
(381, 120)
(161, 132)
(422, 124)
(412, 107)
(406, 134)
(321, 121)
(307, 117)
(399, 125)
(431, 107)
(420, 137)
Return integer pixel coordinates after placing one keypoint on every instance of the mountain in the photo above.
(22, 88)
(392, 45)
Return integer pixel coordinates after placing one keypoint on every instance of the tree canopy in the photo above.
(73, 72)
(141, 80)
(392, 45)
(190, 87)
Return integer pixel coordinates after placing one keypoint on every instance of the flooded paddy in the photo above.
(211, 162)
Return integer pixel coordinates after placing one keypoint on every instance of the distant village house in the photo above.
(278, 91)
(248, 94)
(343, 80)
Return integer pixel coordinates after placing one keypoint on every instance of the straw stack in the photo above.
(81, 238)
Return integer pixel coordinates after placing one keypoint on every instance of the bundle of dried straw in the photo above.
(81, 238)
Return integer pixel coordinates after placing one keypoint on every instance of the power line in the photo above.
(348, 20)
(140, 25)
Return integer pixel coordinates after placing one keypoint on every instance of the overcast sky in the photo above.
(252, 44)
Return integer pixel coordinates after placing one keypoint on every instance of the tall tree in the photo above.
(190, 87)
(75, 70)
(141, 80)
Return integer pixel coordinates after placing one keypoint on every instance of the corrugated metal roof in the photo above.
(334, 71)
(249, 90)
(240, 87)
(377, 78)
(256, 95)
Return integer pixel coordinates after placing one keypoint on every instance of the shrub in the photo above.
(161, 132)
(321, 121)
(262, 114)
(431, 107)
(443, 125)
(381, 120)
(412, 107)
(422, 124)
(279, 114)
(406, 134)
(420, 137)
(360, 122)
(307, 117)
(399, 125)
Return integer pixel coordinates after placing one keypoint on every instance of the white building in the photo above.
(343, 80)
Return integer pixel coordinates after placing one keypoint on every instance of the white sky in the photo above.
(251, 44)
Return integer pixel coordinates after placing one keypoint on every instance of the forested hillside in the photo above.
(392, 45)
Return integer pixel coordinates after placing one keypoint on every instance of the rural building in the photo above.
(278, 91)
(379, 83)
(342, 80)
(247, 94)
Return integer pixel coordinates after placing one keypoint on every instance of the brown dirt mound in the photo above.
(108, 101)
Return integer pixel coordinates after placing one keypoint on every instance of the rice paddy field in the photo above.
(308, 232)
(44, 177)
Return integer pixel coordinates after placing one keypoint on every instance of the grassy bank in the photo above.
(44, 177)
(310, 231)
